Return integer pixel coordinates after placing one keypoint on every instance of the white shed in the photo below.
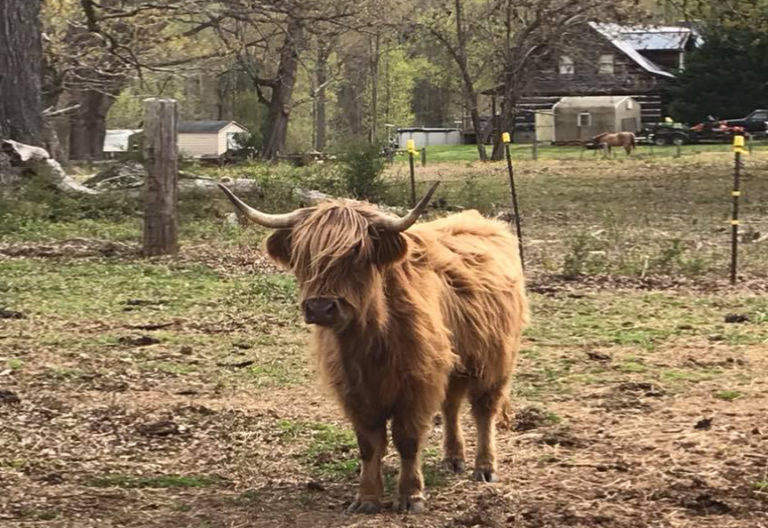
(207, 138)
(425, 137)
(544, 121)
(116, 141)
(580, 118)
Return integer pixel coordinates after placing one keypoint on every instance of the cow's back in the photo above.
(476, 266)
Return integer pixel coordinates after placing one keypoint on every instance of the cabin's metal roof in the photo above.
(662, 38)
(617, 35)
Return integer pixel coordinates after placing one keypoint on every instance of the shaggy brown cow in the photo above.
(406, 321)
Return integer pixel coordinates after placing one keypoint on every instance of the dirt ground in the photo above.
(178, 393)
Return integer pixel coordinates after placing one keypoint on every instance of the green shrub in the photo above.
(362, 174)
(38, 201)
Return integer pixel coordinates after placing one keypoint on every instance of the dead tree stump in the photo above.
(161, 215)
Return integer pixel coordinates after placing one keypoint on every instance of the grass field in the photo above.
(177, 392)
(523, 151)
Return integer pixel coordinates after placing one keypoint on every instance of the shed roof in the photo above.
(427, 129)
(592, 101)
(204, 127)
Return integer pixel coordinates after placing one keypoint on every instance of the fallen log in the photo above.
(126, 178)
(40, 162)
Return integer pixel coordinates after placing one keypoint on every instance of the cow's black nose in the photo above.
(320, 310)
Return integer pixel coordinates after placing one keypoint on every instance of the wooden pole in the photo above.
(738, 145)
(515, 209)
(423, 156)
(161, 216)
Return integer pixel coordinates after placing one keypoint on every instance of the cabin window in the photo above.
(584, 119)
(566, 65)
(629, 104)
(605, 65)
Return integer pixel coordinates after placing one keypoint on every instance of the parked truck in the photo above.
(755, 124)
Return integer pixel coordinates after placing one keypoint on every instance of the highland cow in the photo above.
(407, 320)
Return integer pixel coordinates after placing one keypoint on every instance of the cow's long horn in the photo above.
(275, 221)
(387, 223)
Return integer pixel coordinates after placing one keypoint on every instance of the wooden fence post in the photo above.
(161, 216)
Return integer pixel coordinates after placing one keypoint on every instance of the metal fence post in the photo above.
(515, 209)
(738, 149)
(411, 146)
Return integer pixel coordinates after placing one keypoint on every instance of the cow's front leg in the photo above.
(373, 445)
(407, 435)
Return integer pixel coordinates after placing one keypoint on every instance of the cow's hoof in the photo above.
(454, 464)
(364, 506)
(412, 504)
(485, 475)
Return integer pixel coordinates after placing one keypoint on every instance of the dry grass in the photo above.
(220, 424)
(177, 392)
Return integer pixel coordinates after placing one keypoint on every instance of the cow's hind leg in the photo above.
(453, 439)
(373, 445)
(408, 431)
(486, 403)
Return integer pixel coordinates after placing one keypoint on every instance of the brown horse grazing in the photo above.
(407, 320)
(606, 140)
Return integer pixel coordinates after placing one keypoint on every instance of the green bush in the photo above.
(248, 144)
(362, 175)
(38, 201)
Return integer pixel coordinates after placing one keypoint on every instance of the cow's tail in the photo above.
(632, 141)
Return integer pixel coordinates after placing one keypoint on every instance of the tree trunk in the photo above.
(375, 54)
(474, 115)
(321, 124)
(507, 118)
(470, 94)
(282, 91)
(20, 71)
(161, 216)
(89, 125)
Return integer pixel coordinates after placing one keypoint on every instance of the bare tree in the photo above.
(268, 44)
(502, 40)
(448, 23)
(95, 49)
(320, 85)
(525, 32)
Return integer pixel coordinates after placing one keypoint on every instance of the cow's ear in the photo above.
(279, 246)
(389, 248)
